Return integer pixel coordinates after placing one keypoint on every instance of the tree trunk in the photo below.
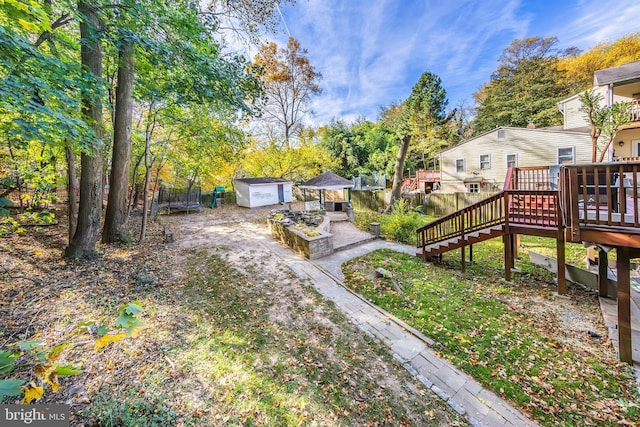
(133, 195)
(396, 188)
(83, 243)
(145, 194)
(115, 219)
(72, 190)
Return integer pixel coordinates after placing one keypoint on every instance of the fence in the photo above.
(439, 204)
(373, 182)
(368, 200)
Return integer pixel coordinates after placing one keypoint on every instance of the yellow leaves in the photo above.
(580, 68)
(29, 26)
(54, 354)
(48, 376)
(462, 339)
(105, 340)
(32, 393)
(55, 385)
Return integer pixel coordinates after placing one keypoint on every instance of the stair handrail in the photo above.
(477, 216)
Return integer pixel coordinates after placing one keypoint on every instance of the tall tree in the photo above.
(420, 116)
(289, 81)
(525, 88)
(90, 211)
(41, 77)
(115, 219)
(300, 163)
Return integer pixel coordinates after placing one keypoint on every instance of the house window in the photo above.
(485, 161)
(501, 134)
(566, 156)
(473, 187)
(512, 160)
(460, 165)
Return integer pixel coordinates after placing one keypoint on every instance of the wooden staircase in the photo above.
(594, 203)
(439, 248)
(527, 205)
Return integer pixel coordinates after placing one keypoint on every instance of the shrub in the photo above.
(401, 224)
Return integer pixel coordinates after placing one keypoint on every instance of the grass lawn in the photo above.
(514, 338)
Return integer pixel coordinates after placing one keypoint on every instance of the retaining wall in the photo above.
(310, 247)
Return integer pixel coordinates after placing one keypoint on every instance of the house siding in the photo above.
(570, 108)
(533, 147)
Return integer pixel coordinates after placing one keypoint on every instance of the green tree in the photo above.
(360, 148)
(115, 218)
(82, 244)
(422, 116)
(525, 88)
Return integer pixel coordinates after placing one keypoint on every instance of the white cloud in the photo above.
(597, 21)
(372, 53)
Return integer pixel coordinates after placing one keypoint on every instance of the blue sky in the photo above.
(372, 52)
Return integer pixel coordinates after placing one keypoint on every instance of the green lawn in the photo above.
(489, 329)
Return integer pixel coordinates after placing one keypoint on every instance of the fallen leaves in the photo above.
(32, 393)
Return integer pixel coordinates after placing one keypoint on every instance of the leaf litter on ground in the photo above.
(231, 336)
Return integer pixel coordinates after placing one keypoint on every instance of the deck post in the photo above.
(560, 249)
(603, 264)
(463, 262)
(562, 280)
(624, 304)
(508, 253)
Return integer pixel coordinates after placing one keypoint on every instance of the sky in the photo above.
(371, 52)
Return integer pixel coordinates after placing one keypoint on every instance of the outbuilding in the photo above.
(329, 181)
(255, 192)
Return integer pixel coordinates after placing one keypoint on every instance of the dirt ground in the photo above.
(43, 297)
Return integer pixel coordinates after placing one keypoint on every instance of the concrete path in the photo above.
(465, 395)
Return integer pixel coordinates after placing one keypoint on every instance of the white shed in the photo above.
(255, 192)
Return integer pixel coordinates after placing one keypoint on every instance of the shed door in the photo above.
(281, 193)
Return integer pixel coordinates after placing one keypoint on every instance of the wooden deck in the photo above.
(596, 204)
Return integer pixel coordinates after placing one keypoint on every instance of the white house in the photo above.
(255, 192)
(615, 84)
(480, 164)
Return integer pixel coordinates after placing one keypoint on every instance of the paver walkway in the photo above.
(465, 395)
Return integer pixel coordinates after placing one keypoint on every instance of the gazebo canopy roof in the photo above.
(327, 181)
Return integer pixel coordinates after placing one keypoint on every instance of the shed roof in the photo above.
(265, 180)
(627, 73)
(327, 181)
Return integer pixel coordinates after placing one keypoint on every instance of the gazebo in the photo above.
(329, 181)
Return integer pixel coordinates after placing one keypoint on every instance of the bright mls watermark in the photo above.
(34, 415)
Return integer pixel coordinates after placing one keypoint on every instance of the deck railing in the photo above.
(428, 175)
(635, 110)
(475, 217)
(601, 195)
(530, 178)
